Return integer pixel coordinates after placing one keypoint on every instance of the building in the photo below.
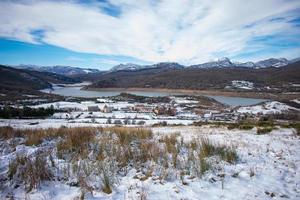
(93, 108)
(107, 109)
(143, 108)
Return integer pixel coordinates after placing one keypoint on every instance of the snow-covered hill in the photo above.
(226, 62)
(127, 66)
(272, 62)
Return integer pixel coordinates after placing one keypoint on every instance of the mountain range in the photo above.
(175, 76)
(162, 75)
(220, 63)
(63, 70)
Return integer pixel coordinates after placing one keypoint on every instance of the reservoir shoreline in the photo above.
(243, 94)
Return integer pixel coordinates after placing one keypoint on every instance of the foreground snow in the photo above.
(268, 166)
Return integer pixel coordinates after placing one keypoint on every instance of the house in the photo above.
(164, 110)
(93, 108)
(207, 115)
(143, 108)
(127, 109)
(107, 109)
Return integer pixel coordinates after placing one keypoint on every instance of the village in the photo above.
(173, 110)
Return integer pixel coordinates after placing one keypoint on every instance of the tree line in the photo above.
(8, 112)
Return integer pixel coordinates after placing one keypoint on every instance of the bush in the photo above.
(246, 126)
(264, 130)
(242, 126)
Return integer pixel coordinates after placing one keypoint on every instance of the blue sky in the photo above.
(101, 34)
(17, 52)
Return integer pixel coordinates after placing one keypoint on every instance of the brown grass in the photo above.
(127, 135)
(265, 130)
(209, 149)
(76, 142)
(36, 136)
(117, 148)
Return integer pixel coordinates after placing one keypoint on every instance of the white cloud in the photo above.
(186, 31)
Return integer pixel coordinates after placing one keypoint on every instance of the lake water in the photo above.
(76, 92)
(237, 101)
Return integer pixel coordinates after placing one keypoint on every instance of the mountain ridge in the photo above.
(199, 78)
(220, 63)
(58, 69)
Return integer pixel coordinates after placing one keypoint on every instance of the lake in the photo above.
(77, 92)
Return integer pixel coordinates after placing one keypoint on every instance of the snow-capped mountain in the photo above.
(127, 66)
(245, 64)
(272, 62)
(226, 62)
(222, 62)
(134, 67)
(167, 65)
(63, 70)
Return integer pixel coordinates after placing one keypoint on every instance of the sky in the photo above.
(103, 33)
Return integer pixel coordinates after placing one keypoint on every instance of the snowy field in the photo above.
(272, 107)
(268, 167)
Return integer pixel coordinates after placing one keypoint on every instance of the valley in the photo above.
(164, 132)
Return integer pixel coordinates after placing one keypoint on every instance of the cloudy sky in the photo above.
(103, 33)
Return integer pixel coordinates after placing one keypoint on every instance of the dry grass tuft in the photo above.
(76, 142)
(36, 136)
(127, 135)
(265, 130)
(209, 149)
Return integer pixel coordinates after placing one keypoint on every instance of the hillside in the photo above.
(199, 78)
(62, 70)
(26, 80)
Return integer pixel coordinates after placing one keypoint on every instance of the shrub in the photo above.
(246, 126)
(264, 130)
(268, 123)
(242, 126)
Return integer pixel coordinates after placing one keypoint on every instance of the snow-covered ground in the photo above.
(247, 85)
(268, 168)
(56, 123)
(267, 108)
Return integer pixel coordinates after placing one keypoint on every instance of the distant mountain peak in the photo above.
(134, 67)
(221, 62)
(126, 66)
